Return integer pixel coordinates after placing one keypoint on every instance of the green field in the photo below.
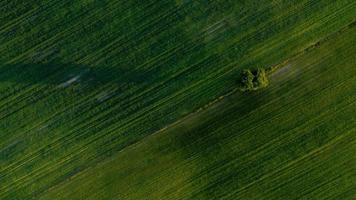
(128, 100)
(295, 140)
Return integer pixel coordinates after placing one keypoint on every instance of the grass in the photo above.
(81, 81)
(293, 140)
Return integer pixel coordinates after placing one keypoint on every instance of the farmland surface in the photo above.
(295, 140)
(117, 99)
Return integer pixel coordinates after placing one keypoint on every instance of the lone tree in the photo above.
(261, 78)
(246, 80)
(253, 80)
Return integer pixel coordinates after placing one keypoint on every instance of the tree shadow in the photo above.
(64, 75)
(200, 143)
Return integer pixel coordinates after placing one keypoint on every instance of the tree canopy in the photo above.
(253, 80)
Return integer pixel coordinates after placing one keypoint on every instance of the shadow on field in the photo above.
(204, 142)
(63, 75)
